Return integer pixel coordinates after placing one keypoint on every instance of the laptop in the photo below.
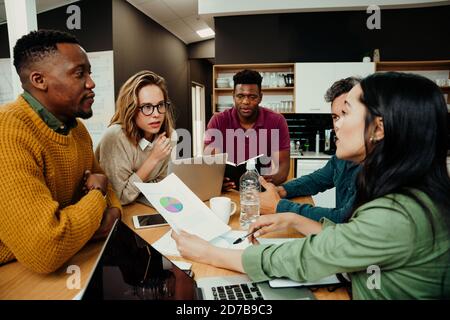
(203, 174)
(129, 268)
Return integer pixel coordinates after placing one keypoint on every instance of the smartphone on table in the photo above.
(149, 221)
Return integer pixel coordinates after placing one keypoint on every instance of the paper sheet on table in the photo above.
(282, 283)
(167, 246)
(183, 265)
(182, 209)
(274, 240)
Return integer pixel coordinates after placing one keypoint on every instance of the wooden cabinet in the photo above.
(326, 199)
(438, 71)
(314, 79)
(276, 94)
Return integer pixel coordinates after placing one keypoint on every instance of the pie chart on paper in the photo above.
(171, 204)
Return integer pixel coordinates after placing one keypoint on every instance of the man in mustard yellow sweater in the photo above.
(54, 197)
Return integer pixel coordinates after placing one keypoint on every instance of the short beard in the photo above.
(83, 115)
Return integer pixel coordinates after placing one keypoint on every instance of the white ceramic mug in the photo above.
(223, 207)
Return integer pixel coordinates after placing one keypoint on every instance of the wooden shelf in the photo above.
(262, 89)
(264, 67)
(227, 70)
(215, 112)
(413, 65)
(446, 90)
(418, 66)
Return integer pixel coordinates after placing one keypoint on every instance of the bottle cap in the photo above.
(251, 164)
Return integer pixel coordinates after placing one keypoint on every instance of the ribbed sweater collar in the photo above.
(41, 125)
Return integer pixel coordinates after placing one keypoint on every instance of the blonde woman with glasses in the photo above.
(137, 145)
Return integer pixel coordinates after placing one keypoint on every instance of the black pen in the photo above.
(244, 237)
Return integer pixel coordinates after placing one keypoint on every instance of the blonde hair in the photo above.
(127, 105)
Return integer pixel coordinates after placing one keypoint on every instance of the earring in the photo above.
(373, 139)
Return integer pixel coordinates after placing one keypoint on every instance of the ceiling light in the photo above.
(204, 33)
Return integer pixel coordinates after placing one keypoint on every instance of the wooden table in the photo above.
(17, 282)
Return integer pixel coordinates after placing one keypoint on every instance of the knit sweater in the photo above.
(121, 160)
(45, 217)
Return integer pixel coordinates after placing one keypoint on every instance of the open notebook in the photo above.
(234, 171)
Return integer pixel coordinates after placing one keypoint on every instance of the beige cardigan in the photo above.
(120, 160)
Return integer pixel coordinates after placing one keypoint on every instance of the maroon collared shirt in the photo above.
(269, 134)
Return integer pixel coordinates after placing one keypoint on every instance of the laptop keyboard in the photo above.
(245, 291)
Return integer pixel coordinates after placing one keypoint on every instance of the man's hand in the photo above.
(109, 217)
(268, 200)
(228, 184)
(95, 181)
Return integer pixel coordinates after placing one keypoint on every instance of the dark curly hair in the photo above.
(247, 76)
(38, 45)
(340, 87)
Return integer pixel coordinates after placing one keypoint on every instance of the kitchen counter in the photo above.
(310, 155)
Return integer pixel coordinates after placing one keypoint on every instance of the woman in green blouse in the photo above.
(395, 125)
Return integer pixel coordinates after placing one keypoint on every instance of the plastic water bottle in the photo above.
(249, 194)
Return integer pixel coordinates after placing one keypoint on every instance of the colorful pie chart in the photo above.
(171, 204)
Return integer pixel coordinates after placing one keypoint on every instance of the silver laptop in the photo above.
(242, 288)
(203, 175)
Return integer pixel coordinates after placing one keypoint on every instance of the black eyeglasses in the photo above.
(148, 108)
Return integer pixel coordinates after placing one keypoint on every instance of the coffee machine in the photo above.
(289, 79)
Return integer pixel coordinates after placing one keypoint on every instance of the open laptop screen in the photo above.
(130, 269)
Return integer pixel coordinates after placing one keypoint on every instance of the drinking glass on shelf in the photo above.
(441, 82)
(280, 80)
(273, 80)
(265, 79)
(277, 107)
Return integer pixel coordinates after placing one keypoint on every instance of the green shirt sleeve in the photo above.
(326, 223)
(380, 233)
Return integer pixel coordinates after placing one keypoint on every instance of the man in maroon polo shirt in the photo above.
(248, 130)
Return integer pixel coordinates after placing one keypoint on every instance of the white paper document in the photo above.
(183, 265)
(226, 240)
(182, 209)
(275, 240)
(167, 246)
(282, 283)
